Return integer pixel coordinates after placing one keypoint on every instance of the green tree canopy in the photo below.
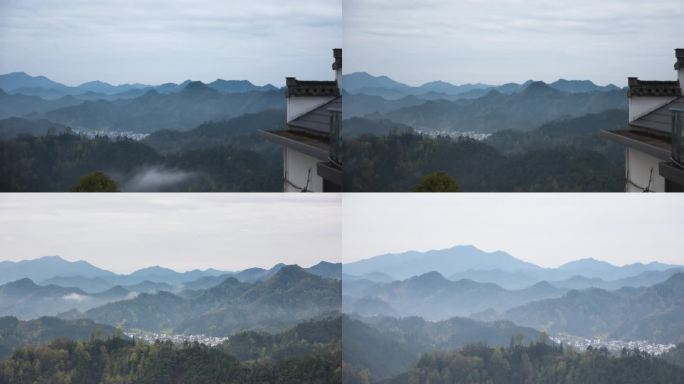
(95, 182)
(437, 182)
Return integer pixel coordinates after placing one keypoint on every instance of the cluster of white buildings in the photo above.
(581, 344)
(479, 136)
(176, 338)
(111, 134)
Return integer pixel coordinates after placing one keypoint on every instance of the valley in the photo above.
(195, 136)
(423, 305)
(251, 324)
(532, 136)
(189, 136)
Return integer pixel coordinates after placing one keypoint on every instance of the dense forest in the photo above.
(119, 360)
(306, 338)
(567, 155)
(536, 363)
(309, 352)
(15, 333)
(290, 296)
(675, 355)
(218, 156)
(382, 347)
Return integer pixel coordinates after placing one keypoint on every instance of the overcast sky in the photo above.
(545, 229)
(157, 41)
(125, 232)
(500, 41)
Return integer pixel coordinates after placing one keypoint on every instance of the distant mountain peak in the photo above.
(447, 261)
(291, 270)
(587, 262)
(288, 274)
(94, 82)
(227, 285)
(437, 82)
(52, 257)
(235, 82)
(323, 263)
(156, 269)
(545, 285)
(539, 86)
(430, 277)
(22, 283)
(196, 85)
(676, 279)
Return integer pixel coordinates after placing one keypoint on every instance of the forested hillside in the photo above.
(118, 360)
(539, 363)
(566, 155)
(15, 333)
(383, 347)
(218, 156)
(653, 313)
(290, 296)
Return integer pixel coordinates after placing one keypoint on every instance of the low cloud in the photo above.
(131, 295)
(75, 297)
(156, 179)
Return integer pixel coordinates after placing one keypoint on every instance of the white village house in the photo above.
(311, 142)
(654, 139)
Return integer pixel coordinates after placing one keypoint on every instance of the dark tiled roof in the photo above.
(309, 133)
(317, 121)
(312, 145)
(311, 88)
(337, 54)
(659, 146)
(659, 119)
(679, 54)
(653, 88)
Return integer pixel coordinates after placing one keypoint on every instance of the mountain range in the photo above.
(433, 297)
(64, 286)
(447, 261)
(208, 302)
(524, 110)
(364, 83)
(469, 262)
(289, 296)
(23, 83)
(584, 297)
(26, 300)
(91, 279)
(137, 109)
(654, 313)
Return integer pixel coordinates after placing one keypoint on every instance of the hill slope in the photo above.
(387, 346)
(653, 313)
(289, 296)
(16, 333)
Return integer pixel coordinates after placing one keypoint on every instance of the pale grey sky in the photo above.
(125, 232)
(157, 41)
(545, 229)
(500, 41)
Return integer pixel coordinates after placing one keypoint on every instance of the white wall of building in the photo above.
(297, 106)
(338, 77)
(297, 166)
(639, 166)
(641, 105)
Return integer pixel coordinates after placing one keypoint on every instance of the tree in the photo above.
(95, 182)
(437, 182)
